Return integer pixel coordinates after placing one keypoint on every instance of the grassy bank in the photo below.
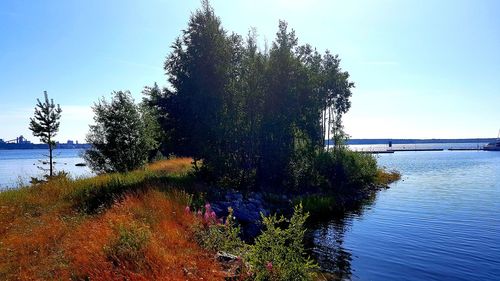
(138, 226)
(79, 230)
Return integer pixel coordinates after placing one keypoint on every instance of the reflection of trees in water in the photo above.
(329, 251)
(328, 236)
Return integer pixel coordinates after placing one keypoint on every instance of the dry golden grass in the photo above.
(387, 177)
(169, 254)
(176, 165)
(145, 236)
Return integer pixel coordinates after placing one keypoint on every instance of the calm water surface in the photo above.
(20, 165)
(441, 222)
(372, 147)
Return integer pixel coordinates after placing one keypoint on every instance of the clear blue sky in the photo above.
(423, 69)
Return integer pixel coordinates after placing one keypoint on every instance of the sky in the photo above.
(422, 69)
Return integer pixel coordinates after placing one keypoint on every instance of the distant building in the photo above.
(22, 143)
(22, 140)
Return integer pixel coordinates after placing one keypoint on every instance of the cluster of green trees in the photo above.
(255, 118)
(250, 118)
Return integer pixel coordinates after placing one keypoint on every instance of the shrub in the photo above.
(214, 235)
(278, 253)
(346, 169)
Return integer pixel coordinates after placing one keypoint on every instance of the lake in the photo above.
(19, 165)
(440, 222)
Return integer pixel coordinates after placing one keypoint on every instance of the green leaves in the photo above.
(278, 253)
(249, 113)
(120, 138)
(45, 123)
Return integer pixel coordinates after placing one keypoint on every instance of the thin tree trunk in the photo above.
(324, 127)
(50, 158)
(335, 132)
(328, 128)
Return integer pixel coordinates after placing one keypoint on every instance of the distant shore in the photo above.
(11, 146)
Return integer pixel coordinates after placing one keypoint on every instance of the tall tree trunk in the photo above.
(50, 158)
(324, 128)
(328, 128)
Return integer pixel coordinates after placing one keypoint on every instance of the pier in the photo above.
(375, 151)
(417, 150)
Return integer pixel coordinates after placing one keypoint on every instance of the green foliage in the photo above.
(45, 125)
(319, 205)
(278, 253)
(120, 139)
(221, 237)
(198, 69)
(249, 115)
(157, 140)
(343, 169)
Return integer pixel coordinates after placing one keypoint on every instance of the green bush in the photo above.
(345, 169)
(278, 253)
(220, 237)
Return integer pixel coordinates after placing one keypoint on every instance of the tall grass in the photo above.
(52, 231)
(318, 205)
(385, 177)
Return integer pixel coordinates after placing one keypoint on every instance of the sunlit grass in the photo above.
(176, 165)
(386, 177)
(110, 227)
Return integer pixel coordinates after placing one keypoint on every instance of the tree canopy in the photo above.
(119, 139)
(256, 118)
